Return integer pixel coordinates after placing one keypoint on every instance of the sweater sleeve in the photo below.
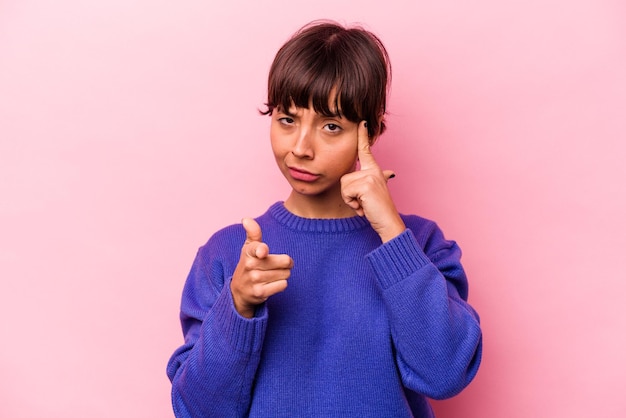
(435, 331)
(213, 372)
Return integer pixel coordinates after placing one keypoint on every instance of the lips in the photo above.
(302, 175)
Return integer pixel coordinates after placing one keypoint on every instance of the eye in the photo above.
(332, 127)
(286, 120)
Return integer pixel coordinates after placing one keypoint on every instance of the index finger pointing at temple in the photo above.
(366, 159)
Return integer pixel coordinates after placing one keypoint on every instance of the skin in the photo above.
(318, 156)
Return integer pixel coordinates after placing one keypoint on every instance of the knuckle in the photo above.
(254, 275)
(258, 292)
(249, 263)
(371, 179)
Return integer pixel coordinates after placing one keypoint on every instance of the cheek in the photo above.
(344, 158)
(276, 143)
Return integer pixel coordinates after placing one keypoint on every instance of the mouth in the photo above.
(302, 175)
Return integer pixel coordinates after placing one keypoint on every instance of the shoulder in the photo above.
(427, 233)
(230, 238)
(420, 226)
(223, 246)
(226, 234)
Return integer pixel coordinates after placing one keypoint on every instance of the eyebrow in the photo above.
(288, 112)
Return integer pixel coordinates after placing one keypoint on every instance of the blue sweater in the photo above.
(363, 329)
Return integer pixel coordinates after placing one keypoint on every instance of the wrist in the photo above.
(243, 309)
(392, 230)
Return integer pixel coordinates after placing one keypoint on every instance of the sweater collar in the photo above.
(334, 225)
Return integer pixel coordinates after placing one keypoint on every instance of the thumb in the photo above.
(253, 230)
(388, 174)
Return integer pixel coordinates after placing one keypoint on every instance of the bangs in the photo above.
(321, 85)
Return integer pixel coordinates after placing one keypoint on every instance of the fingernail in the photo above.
(392, 176)
(365, 124)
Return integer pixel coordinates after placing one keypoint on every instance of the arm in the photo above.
(224, 320)
(213, 372)
(435, 331)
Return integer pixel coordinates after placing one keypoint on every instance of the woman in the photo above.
(331, 303)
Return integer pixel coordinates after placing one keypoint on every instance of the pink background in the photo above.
(129, 133)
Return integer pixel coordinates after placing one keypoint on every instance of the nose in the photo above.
(303, 148)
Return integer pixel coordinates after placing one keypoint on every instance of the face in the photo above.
(313, 151)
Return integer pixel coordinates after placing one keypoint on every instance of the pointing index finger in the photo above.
(253, 230)
(366, 159)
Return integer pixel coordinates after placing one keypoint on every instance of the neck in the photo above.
(318, 207)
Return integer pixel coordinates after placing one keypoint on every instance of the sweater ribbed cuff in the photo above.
(243, 334)
(397, 259)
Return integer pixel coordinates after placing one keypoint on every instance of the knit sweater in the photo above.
(364, 329)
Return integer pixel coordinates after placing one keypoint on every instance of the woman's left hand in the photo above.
(365, 191)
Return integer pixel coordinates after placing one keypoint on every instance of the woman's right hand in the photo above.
(258, 274)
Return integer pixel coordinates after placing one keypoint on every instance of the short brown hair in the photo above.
(325, 60)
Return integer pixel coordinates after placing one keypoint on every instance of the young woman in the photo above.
(331, 303)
